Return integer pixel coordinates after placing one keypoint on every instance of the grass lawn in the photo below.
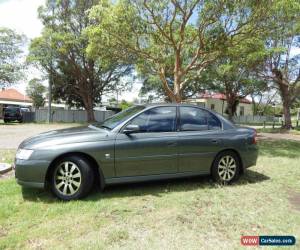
(180, 214)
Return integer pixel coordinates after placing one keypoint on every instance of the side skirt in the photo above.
(142, 178)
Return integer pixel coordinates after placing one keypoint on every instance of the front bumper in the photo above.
(31, 184)
(31, 173)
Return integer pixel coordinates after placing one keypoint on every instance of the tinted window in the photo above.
(161, 119)
(12, 110)
(195, 119)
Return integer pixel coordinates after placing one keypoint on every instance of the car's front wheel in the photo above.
(72, 178)
(226, 167)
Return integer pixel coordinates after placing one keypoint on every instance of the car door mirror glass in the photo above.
(131, 128)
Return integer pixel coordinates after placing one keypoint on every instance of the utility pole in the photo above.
(49, 115)
(49, 97)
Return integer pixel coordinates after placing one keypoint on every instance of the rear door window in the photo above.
(196, 119)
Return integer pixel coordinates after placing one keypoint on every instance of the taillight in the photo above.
(254, 140)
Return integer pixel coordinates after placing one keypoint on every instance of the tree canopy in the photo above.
(174, 40)
(76, 78)
(11, 50)
(36, 90)
(178, 48)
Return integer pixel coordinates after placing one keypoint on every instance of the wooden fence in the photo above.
(40, 115)
(248, 119)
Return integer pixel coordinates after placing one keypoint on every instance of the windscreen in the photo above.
(118, 118)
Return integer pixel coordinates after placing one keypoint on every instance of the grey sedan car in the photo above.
(141, 143)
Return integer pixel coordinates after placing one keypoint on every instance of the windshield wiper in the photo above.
(106, 127)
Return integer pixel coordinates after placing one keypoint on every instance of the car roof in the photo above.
(170, 104)
(12, 107)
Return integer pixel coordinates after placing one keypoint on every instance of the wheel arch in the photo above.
(234, 151)
(98, 174)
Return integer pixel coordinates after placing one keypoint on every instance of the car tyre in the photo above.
(5, 121)
(72, 178)
(226, 167)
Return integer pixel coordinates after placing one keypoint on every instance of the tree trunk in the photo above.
(285, 97)
(177, 77)
(231, 106)
(286, 106)
(89, 107)
(175, 94)
(90, 114)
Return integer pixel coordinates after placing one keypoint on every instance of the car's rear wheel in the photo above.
(72, 178)
(226, 167)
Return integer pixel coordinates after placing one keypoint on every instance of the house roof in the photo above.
(219, 96)
(13, 95)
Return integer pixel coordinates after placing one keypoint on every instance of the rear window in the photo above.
(11, 109)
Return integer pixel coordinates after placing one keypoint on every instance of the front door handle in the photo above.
(172, 144)
(215, 141)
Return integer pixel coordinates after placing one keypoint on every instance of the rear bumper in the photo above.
(12, 118)
(250, 156)
(31, 173)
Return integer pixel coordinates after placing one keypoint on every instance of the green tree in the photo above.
(36, 90)
(175, 38)
(234, 73)
(153, 88)
(76, 78)
(10, 56)
(282, 66)
(124, 104)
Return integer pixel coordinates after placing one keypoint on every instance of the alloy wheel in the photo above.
(227, 168)
(67, 178)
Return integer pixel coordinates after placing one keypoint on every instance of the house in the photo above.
(12, 97)
(218, 103)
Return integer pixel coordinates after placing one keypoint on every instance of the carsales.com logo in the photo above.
(268, 240)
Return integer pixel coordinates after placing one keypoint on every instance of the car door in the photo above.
(153, 149)
(199, 139)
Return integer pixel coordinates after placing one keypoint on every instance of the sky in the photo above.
(21, 15)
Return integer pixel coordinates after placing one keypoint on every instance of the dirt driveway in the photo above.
(279, 136)
(12, 134)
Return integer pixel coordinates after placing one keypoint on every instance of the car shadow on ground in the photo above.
(154, 188)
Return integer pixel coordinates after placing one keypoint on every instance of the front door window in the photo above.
(161, 119)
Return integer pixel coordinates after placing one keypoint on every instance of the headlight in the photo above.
(23, 154)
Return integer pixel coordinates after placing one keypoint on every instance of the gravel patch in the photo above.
(5, 167)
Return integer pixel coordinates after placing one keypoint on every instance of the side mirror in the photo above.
(131, 128)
